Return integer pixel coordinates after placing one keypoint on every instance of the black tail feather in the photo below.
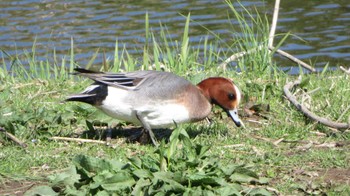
(93, 95)
(82, 70)
(85, 98)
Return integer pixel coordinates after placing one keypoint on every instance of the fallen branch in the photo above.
(79, 140)
(238, 55)
(292, 58)
(274, 23)
(13, 138)
(345, 70)
(235, 56)
(307, 112)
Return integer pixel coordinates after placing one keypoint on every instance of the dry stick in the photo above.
(346, 71)
(307, 112)
(78, 140)
(292, 58)
(271, 38)
(238, 55)
(13, 138)
(274, 23)
(270, 46)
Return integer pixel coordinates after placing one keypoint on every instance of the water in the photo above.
(321, 28)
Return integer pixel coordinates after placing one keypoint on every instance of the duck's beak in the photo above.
(234, 116)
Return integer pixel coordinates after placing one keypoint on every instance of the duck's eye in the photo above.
(231, 96)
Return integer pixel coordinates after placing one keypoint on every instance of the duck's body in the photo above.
(155, 99)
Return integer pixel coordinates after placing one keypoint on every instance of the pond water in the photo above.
(321, 28)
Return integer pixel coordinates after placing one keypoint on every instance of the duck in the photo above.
(157, 99)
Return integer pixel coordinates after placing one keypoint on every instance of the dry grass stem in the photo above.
(13, 138)
(78, 140)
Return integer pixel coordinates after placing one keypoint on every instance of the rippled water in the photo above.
(321, 28)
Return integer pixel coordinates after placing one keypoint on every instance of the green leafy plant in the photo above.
(180, 168)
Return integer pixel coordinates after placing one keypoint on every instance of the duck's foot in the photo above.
(139, 136)
(143, 137)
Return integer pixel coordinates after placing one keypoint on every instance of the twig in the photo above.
(238, 55)
(257, 122)
(78, 140)
(233, 57)
(13, 138)
(346, 71)
(275, 143)
(278, 141)
(307, 112)
(271, 38)
(274, 23)
(292, 58)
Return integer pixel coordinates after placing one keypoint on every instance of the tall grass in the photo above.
(26, 66)
(253, 35)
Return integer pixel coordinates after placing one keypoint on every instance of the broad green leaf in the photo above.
(259, 192)
(40, 190)
(82, 191)
(168, 177)
(102, 193)
(163, 163)
(228, 190)
(90, 166)
(102, 176)
(201, 150)
(140, 186)
(119, 186)
(119, 181)
(142, 173)
(243, 170)
(175, 135)
(263, 180)
(174, 141)
(237, 177)
(136, 161)
(180, 177)
(94, 185)
(229, 169)
(68, 177)
(203, 179)
(208, 192)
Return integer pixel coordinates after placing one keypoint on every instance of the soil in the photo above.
(335, 176)
(16, 187)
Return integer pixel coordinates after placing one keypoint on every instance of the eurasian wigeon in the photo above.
(156, 99)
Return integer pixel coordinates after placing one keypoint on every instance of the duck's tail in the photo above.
(93, 94)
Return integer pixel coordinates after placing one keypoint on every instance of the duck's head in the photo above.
(224, 93)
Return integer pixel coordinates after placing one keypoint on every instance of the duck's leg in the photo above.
(147, 128)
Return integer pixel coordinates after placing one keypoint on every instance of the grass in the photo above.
(31, 92)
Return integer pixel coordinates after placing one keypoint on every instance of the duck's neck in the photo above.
(204, 87)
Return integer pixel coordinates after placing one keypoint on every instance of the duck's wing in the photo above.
(127, 81)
